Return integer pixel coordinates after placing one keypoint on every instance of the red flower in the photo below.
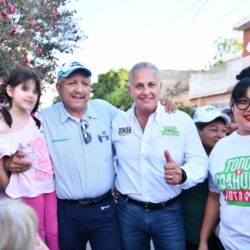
(14, 29)
(11, 8)
(54, 14)
(33, 22)
(4, 15)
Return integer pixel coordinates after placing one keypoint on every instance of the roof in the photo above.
(243, 24)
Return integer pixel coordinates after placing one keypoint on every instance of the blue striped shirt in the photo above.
(81, 170)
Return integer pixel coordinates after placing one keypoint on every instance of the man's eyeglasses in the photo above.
(242, 103)
(86, 135)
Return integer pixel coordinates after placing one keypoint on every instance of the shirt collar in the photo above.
(159, 110)
(156, 114)
(90, 112)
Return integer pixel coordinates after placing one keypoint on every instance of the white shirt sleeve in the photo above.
(195, 159)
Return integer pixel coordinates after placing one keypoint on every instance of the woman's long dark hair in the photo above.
(16, 77)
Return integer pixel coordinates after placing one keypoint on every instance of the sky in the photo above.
(173, 34)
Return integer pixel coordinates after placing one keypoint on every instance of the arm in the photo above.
(195, 158)
(4, 178)
(40, 245)
(210, 220)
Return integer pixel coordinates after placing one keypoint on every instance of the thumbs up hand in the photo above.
(172, 171)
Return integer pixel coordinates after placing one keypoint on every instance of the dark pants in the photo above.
(96, 223)
(213, 244)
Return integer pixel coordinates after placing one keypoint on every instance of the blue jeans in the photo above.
(138, 226)
(97, 224)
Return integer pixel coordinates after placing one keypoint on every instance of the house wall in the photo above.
(174, 81)
(246, 45)
(215, 86)
(181, 98)
(218, 100)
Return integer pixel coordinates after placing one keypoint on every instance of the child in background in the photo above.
(21, 130)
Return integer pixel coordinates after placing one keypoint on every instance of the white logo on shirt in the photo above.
(105, 207)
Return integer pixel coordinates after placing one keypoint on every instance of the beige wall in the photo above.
(214, 87)
(218, 100)
(181, 98)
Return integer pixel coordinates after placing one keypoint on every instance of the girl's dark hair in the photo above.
(16, 77)
(240, 90)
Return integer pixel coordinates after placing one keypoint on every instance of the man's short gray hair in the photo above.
(143, 65)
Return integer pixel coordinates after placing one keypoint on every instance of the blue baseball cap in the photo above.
(68, 68)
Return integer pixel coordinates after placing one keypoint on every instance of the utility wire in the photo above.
(231, 11)
(190, 21)
(166, 12)
(161, 27)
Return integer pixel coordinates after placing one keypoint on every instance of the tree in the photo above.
(33, 31)
(187, 109)
(112, 87)
(225, 48)
(120, 97)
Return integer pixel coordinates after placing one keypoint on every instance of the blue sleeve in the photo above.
(111, 110)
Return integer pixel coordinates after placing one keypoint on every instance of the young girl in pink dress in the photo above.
(21, 130)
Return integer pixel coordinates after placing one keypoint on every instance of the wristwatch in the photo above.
(183, 176)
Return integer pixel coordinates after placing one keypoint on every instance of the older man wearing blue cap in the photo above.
(78, 135)
(77, 131)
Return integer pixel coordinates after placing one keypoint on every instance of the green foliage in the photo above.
(225, 47)
(187, 109)
(57, 99)
(112, 87)
(120, 97)
(108, 82)
(33, 31)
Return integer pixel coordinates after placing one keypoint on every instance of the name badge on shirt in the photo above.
(124, 131)
(170, 131)
(103, 136)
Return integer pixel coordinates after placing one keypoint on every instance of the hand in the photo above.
(16, 164)
(203, 246)
(169, 105)
(172, 171)
(116, 193)
(40, 245)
